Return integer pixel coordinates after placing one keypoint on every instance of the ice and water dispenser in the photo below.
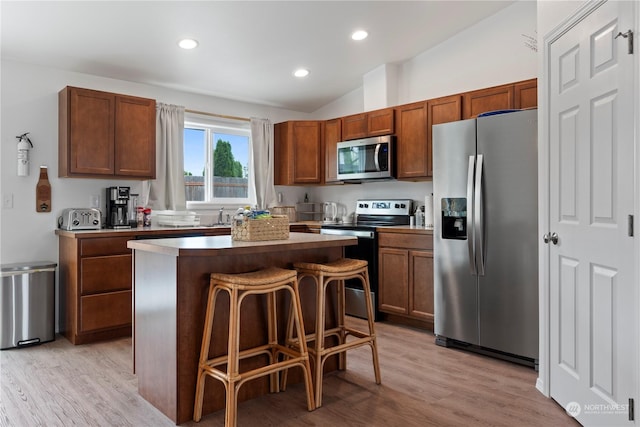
(454, 217)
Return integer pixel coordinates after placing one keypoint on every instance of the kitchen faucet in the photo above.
(220, 216)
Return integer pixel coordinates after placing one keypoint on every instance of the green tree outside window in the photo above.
(224, 164)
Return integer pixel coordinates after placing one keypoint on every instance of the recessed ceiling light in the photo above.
(359, 35)
(301, 72)
(188, 43)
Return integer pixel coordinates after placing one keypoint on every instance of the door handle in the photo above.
(478, 219)
(553, 238)
(470, 219)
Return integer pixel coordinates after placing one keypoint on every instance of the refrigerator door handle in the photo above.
(478, 228)
(472, 255)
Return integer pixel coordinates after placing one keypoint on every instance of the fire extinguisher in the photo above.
(24, 145)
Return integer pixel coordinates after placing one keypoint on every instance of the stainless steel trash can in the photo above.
(27, 304)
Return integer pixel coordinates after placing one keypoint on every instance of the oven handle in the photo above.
(363, 234)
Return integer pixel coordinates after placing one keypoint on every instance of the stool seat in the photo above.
(323, 274)
(266, 276)
(342, 265)
(226, 368)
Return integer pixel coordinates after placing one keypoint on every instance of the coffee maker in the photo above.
(118, 207)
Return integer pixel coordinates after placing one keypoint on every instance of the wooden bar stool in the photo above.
(323, 275)
(267, 281)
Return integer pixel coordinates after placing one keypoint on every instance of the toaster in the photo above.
(80, 219)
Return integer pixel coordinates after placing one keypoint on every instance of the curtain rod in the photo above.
(222, 116)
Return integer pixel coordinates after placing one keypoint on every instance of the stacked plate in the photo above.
(175, 218)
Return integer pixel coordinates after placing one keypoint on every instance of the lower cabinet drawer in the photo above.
(105, 273)
(105, 311)
(405, 240)
(104, 246)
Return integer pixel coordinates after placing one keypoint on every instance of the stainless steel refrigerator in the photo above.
(485, 190)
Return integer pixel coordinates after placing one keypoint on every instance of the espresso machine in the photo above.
(118, 207)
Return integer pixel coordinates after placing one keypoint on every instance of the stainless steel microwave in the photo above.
(368, 158)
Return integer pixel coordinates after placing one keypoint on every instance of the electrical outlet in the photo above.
(7, 201)
(94, 201)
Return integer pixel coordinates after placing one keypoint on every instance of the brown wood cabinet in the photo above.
(306, 152)
(412, 150)
(105, 135)
(414, 147)
(406, 277)
(332, 135)
(354, 126)
(95, 280)
(489, 99)
(299, 153)
(372, 123)
(526, 94)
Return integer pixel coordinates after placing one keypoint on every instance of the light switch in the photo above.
(7, 201)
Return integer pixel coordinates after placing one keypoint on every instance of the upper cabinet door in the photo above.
(298, 153)
(484, 100)
(135, 137)
(412, 150)
(380, 122)
(332, 135)
(526, 94)
(354, 126)
(87, 133)
(307, 152)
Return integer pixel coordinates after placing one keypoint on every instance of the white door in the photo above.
(593, 330)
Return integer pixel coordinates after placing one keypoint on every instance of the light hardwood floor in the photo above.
(58, 384)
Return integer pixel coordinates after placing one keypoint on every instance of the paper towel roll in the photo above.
(428, 211)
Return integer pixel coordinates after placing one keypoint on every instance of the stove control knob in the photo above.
(397, 206)
(366, 205)
(403, 206)
(360, 205)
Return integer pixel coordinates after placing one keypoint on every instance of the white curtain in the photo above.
(263, 162)
(167, 190)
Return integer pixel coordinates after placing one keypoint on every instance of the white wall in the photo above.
(349, 103)
(489, 53)
(30, 104)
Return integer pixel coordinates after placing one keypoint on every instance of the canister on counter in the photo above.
(146, 217)
(139, 216)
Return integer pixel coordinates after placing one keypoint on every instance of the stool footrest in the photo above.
(244, 354)
(294, 360)
(293, 342)
(346, 346)
(359, 334)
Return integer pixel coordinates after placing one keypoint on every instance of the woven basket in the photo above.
(274, 228)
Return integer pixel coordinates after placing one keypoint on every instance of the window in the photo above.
(217, 163)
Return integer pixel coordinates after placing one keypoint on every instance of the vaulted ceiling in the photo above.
(247, 50)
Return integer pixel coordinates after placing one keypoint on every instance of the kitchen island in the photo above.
(171, 279)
